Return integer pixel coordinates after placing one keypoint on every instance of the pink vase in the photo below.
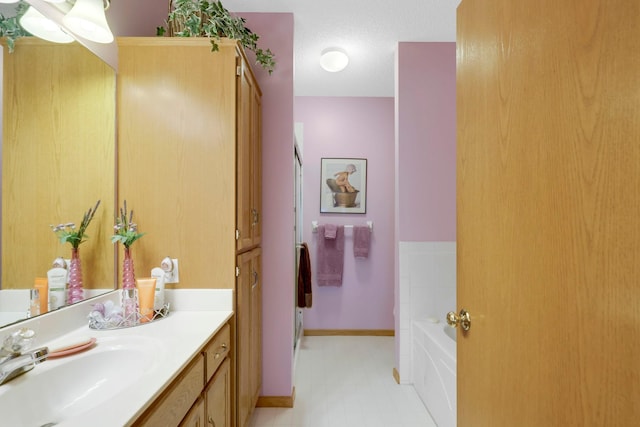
(75, 292)
(129, 292)
(128, 273)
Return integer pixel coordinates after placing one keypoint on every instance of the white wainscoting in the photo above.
(427, 288)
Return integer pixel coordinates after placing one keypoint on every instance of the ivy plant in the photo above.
(10, 27)
(202, 18)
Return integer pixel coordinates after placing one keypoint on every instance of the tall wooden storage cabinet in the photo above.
(189, 165)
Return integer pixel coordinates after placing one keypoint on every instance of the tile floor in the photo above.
(347, 382)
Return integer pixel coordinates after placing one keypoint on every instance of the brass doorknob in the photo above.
(463, 319)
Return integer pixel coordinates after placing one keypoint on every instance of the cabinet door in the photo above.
(256, 166)
(249, 169)
(218, 397)
(255, 340)
(249, 334)
(195, 417)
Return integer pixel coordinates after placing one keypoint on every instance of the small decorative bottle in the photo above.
(34, 303)
(129, 307)
(129, 292)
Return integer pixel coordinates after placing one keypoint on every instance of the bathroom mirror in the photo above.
(58, 159)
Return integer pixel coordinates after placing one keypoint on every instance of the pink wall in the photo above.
(426, 117)
(425, 149)
(278, 250)
(358, 128)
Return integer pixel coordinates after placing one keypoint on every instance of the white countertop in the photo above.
(172, 342)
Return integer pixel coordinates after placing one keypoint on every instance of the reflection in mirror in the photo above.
(58, 158)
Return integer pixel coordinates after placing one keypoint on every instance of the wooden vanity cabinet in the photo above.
(201, 393)
(175, 402)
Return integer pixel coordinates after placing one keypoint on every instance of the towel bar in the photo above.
(314, 224)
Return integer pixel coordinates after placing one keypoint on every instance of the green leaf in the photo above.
(202, 18)
(10, 27)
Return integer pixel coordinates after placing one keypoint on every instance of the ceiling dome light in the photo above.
(87, 19)
(334, 59)
(40, 26)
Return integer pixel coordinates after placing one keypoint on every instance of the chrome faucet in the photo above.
(15, 356)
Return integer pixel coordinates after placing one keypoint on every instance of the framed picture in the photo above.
(343, 185)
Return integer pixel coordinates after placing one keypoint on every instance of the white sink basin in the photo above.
(60, 389)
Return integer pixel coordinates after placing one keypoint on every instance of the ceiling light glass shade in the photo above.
(334, 59)
(87, 19)
(40, 26)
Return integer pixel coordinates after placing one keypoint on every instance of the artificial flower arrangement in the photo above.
(126, 231)
(68, 232)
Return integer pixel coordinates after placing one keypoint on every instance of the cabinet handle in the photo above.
(213, 423)
(256, 217)
(255, 280)
(223, 349)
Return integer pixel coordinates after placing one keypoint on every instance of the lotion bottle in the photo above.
(158, 301)
(146, 290)
(57, 279)
(34, 302)
(43, 293)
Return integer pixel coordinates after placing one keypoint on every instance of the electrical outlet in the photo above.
(172, 276)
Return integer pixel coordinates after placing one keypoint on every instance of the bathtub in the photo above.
(434, 368)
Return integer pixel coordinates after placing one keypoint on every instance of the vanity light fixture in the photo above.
(334, 59)
(87, 19)
(41, 26)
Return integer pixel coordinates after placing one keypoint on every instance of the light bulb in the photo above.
(40, 26)
(87, 19)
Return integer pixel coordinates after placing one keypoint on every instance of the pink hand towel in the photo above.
(330, 231)
(361, 241)
(330, 260)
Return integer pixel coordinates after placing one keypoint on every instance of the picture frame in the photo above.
(343, 185)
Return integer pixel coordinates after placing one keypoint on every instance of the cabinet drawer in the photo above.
(174, 404)
(217, 349)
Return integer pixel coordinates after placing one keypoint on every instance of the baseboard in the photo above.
(277, 401)
(396, 375)
(350, 332)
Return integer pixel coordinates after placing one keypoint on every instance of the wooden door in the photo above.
(548, 164)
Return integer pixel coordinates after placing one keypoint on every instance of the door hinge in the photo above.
(238, 70)
(237, 271)
(237, 234)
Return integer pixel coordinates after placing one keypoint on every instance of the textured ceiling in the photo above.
(368, 30)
